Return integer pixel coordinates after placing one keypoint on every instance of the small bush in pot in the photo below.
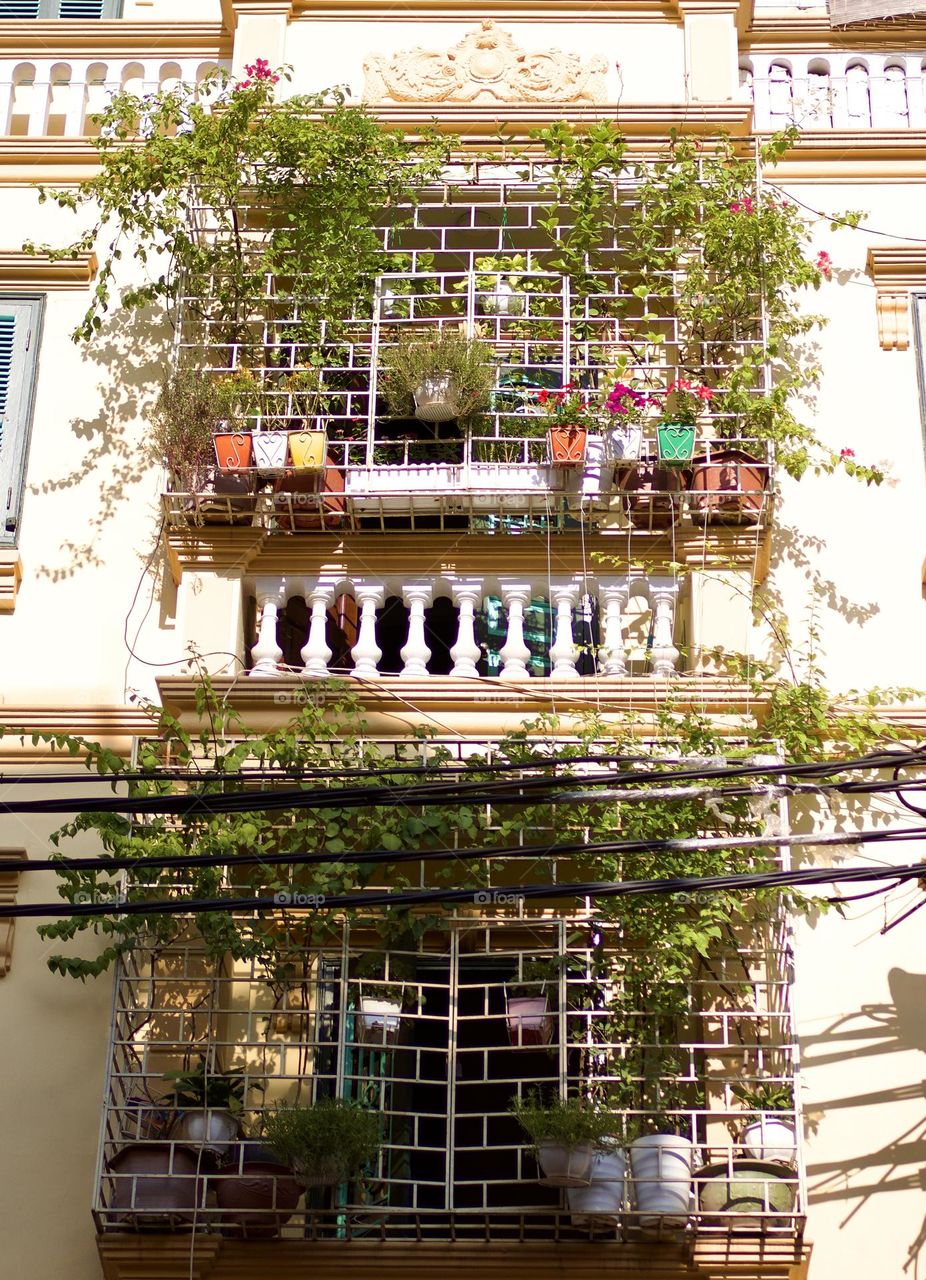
(190, 410)
(565, 1133)
(209, 1102)
(325, 1144)
(437, 379)
(675, 435)
(771, 1136)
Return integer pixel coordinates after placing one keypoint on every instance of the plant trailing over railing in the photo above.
(292, 189)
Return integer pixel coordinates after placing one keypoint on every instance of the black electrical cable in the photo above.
(501, 853)
(445, 793)
(364, 900)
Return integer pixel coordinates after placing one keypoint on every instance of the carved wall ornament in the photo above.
(9, 883)
(896, 270)
(485, 66)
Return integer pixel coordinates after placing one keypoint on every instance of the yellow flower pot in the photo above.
(307, 450)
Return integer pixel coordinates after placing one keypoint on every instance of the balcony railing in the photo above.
(492, 484)
(832, 90)
(442, 1070)
(512, 628)
(57, 97)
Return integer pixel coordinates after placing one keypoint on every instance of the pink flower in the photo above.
(742, 206)
(847, 453)
(705, 393)
(824, 264)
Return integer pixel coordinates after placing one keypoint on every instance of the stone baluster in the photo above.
(366, 652)
(564, 651)
(664, 655)
(612, 596)
(74, 120)
(266, 653)
(514, 653)
(38, 106)
(316, 653)
(415, 652)
(466, 652)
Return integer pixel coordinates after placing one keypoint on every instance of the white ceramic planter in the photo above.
(660, 1164)
(771, 1139)
(388, 488)
(623, 443)
(602, 1200)
(511, 477)
(437, 399)
(270, 449)
(502, 301)
(529, 1020)
(380, 1020)
(213, 1130)
(566, 1166)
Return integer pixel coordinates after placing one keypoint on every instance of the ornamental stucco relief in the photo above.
(485, 66)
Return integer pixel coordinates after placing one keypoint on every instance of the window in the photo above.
(76, 10)
(20, 331)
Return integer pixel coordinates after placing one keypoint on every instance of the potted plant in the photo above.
(676, 430)
(208, 1102)
(436, 380)
(155, 1184)
(625, 413)
(306, 391)
(380, 1019)
(746, 1195)
(565, 1133)
(527, 1003)
(234, 446)
(567, 413)
(770, 1137)
(661, 1157)
(325, 1144)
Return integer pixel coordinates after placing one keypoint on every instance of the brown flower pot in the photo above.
(652, 494)
(156, 1184)
(728, 487)
(567, 445)
(310, 501)
(258, 1200)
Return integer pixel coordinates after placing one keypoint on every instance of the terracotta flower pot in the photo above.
(728, 487)
(155, 1184)
(652, 493)
(567, 445)
(233, 450)
(310, 500)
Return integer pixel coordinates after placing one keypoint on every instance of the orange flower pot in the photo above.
(567, 445)
(233, 452)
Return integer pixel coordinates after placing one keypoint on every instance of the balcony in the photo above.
(455, 1182)
(836, 91)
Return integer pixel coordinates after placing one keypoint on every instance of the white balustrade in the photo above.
(51, 97)
(845, 91)
(626, 624)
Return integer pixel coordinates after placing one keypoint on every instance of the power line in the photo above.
(364, 900)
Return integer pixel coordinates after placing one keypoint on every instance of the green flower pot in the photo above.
(675, 442)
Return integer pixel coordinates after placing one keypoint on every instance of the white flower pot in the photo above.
(214, 1130)
(502, 301)
(660, 1164)
(623, 443)
(529, 1020)
(771, 1139)
(388, 488)
(437, 399)
(270, 449)
(602, 1200)
(380, 1020)
(566, 1166)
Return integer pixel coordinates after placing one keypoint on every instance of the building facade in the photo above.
(491, 608)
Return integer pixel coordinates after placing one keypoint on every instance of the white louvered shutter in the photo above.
(20, 320)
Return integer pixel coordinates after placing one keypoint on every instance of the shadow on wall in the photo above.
(900, 1163)
(130, 353)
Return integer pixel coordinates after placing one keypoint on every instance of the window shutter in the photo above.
(20, 322)
(19, 8)
(75, 10)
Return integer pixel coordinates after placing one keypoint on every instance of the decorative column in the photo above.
(415, 652)
(466, 652)
(514, 653)
(563, 652)
(266, 654)
(366, 652)
(664, 655)
(315, 653)
(612, 598)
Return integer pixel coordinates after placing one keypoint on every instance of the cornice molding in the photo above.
(26, 270)
(57, 37)
(650, 120)
(895, 270)
(599, 11)
(815, 33)
(11, 573)
(9, 886)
